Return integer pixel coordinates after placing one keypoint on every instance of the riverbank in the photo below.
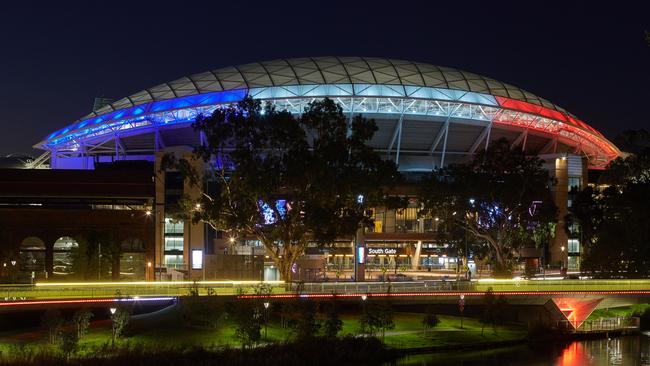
(156, 334)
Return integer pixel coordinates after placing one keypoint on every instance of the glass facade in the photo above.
(32, 256)
(174, 242)
(402, 221)
(132, 266)
(133, 260)
(64, 255)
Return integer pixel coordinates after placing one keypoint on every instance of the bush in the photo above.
(52, 321)
(306, 325)
(81, 321)
(314, 352)
(644, 316)
(248, 319)
(120, 319)
(332, 324)
(430, 319)
(376, 317)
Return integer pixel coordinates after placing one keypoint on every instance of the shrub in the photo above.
(430, 319)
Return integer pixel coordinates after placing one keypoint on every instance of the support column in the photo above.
(360, 255)
(415, 260)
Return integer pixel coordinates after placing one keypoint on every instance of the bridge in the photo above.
(571, 300)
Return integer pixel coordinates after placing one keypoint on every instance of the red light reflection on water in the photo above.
(573, 355)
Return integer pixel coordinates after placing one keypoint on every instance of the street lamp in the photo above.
(266, 317)
(112, 310)
(364, 297)
(461, 307)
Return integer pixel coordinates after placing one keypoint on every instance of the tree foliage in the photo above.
(306, 324)
(248, 319)
(119, 321)
(81, 321)
(430, 319)
(376, 317)
(613, 223)
(501, 199)
(202, 311)
(285, 180)
(332, 324)
(52, 320)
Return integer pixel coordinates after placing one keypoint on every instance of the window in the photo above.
(173, 261)
(64, 255)
(573, 246)
(174, 230)
(574, 182)
(32, 255)
(132, 266)
(406, 220)
(132, 259)
(173, 243)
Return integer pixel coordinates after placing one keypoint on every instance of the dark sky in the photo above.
(57, 56)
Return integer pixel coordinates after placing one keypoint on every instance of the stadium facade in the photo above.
(428, 117)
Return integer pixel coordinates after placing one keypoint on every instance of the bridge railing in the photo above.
(384, 287)
(616, 324)
(563, 285)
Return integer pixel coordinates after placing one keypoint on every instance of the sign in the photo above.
(380, 251)
(361, 255)
(197, 259)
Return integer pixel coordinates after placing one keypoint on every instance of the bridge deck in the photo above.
(90, 290)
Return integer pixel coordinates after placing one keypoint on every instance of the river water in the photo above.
(624, 351)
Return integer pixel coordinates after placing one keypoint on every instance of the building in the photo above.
(53, 223)
(428, 117)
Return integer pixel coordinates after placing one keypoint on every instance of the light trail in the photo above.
(84, 301)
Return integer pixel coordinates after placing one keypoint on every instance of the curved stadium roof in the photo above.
(359, 78)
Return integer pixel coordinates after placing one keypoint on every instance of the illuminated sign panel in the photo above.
(197, 259)
(382, 251)
(361, 255)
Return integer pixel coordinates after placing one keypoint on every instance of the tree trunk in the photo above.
(285, 270)
(115, 268)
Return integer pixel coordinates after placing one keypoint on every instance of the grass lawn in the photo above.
(408, 332)
(619, 311)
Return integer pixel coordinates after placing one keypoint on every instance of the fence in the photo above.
(603, 325)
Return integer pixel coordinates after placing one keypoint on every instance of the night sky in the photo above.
(590, 59)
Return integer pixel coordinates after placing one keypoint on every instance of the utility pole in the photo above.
(99, 262)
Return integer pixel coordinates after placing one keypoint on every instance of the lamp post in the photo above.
(13, 270)
(266, 318)
(563, 268)
(461, 307)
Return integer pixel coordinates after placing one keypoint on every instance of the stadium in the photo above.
(428, 117)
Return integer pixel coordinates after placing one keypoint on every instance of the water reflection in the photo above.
(623, 351)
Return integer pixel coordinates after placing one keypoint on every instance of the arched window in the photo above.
(133, 260)
(63, 255)
(32, 255)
